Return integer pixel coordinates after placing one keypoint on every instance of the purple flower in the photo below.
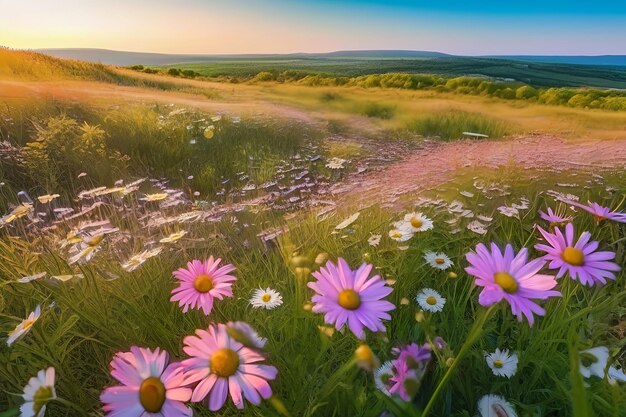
(600, 212)
(580, 259)
(347, 296)
(408, 368)
(512, 278)
(555, 218)
(402, 379)
(413, 354)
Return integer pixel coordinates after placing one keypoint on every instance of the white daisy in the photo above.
(37, 393)
(85, 250)
(33, 277)
(173, 237)
(137, 260)
(593, 361)
(430, 300)
(266, 298)
(154, 197)
(495, 406)
(374, 240)
(44, 199)
(477, 227)
(508, 211)
(381, 377)
(245, 334)
(335, 163)
(615, 375)
(400, 235)
(25, 326)
(438, 260)
(417, 222)
(501, 363)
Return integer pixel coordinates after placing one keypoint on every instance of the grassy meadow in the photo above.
(105, 196)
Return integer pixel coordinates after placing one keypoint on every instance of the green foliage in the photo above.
(139, 141)
(378, 110)
(63, 148)
(264, 76)
(174, 72)
(451, 125)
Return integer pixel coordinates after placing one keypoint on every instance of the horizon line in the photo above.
(308, 53)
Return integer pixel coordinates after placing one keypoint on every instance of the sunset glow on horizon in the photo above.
(279, 26)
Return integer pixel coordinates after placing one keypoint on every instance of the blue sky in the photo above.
(574, 27)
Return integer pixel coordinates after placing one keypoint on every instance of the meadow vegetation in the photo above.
(105, 202)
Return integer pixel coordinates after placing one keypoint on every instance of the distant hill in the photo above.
(607, 60)
(122, 58)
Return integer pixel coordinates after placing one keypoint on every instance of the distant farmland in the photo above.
(536, 74)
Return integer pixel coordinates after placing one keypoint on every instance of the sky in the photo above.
(462, 27)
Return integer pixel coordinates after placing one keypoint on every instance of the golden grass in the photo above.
(79, 81)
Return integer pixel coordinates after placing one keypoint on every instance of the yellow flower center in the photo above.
(224, 362)
(431, 300)
(349, 299)
(266, 298)
(573, 256)
(506, 281)
(203, 283)
(41, 397)
(27, 324)
(152, 394)
(396, 234)
(439, 260)
(416, 223)
(95, 241)
(498, 363)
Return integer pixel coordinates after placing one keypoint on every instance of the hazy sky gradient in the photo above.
(573, 27)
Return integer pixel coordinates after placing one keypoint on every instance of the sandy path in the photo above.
(437, 163)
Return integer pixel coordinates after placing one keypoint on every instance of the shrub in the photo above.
(452, 124)
(381, 111)
(64, 148)
(264, 76)
(175, 72)
(526, 92)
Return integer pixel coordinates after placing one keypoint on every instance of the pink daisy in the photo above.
(413, 354)
(201, 283)
(600, 212)
(554, 218)
(347, 296)
(221, 365)
(512, 278)
(150, 387)
(398, 381)
(579, 258)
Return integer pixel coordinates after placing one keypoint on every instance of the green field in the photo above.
(536, 74)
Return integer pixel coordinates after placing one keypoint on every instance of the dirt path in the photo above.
(432, 164)
(437, 163)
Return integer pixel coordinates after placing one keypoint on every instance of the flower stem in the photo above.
(474, 334)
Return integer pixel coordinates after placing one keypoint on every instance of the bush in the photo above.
(64, 148)
(526, 92)
(175, 72)
(264, 76)
(451, 125)
(381, 111)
